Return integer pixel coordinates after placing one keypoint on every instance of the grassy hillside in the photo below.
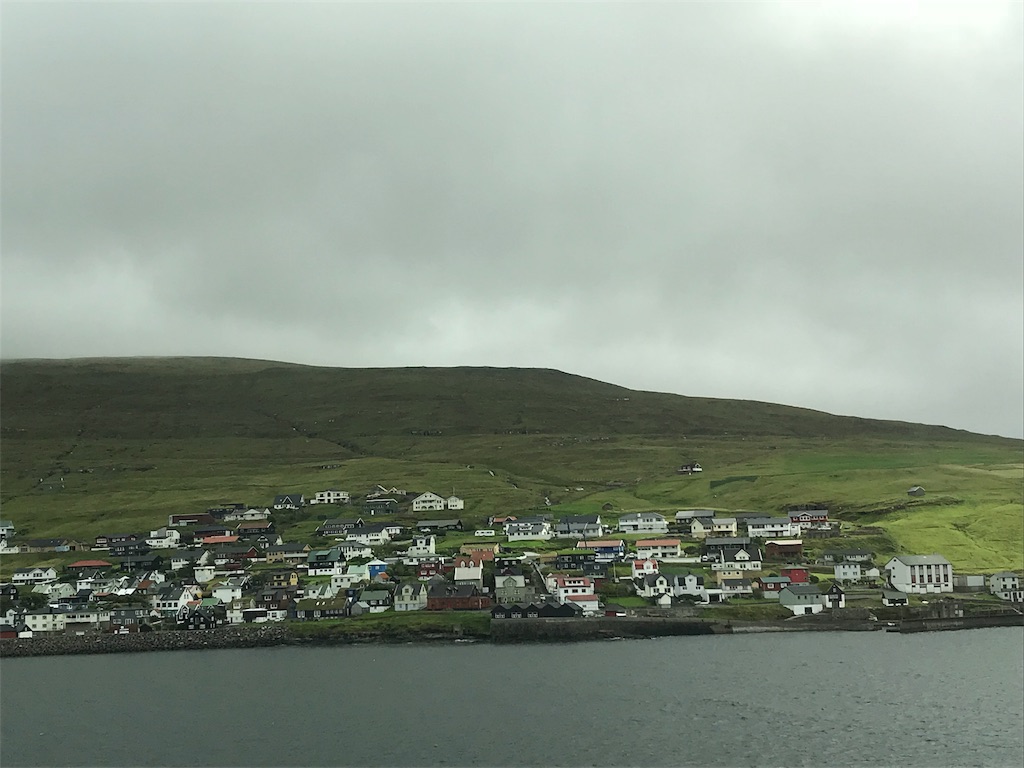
(213, 397)
(95, 446)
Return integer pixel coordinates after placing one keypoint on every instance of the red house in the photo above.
(805, 518)
(770, 586)
(784, 549)
(456, 597)
(433, 568)
(796, 574)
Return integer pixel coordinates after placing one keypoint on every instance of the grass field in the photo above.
(99, 447)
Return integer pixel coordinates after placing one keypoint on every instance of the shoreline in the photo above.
(503, 632)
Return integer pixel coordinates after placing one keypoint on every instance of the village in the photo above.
(391, 550)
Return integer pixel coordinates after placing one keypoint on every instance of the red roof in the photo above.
(220, 539)
(90, 564)
(573, 581)
(582, 598)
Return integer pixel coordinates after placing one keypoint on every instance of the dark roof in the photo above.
(372, 528)
(804, 589)
(726, 541)
(445, 589)
(275, 548)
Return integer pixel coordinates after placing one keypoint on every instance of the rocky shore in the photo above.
(248, 636)
(503, 631)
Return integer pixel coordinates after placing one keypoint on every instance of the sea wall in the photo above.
(964, 622)
(569, 630)
(243, 636)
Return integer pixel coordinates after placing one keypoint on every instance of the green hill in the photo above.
(91, 446)
(141, 398)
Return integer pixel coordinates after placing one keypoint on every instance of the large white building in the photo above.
(643, 522)
(920, 574)
(772, 527)
(564, 587)
(428, 502)
(647, 548)
(331, 496)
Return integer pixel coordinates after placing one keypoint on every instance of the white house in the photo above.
(658, 548)
(920, 574)
(802, 599)
(589, 603)
(454, 502)
(643, 522)
(772, 527)
(245, 515)
(411, 596)
(330, 496)
(1006, 586)
(428, 502)
(172, 599)
(353, 549)
(700, 527)
(352, 576)
(325, 562)
(164, 538)
(6, 529)
(46, 620)
(205, 573)
(529, 531)
(652, 585)
(289, 501)
(641, 568)
(737, 587)
(745, 558)
(724, 526)
(688, 584)
(371, 535)
(422, 546)
(563, 586)
(35, 575)
(56, 590)
(229, 591)
(1005, 581)
(847, 572)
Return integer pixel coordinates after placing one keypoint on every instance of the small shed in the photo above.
(917, 490)
(893, 597)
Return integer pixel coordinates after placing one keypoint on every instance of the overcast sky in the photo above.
(817, 205)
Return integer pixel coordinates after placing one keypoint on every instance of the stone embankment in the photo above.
(962, 622)
(246, 636)
(569, 630)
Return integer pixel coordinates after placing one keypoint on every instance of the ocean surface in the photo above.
(794, 699)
